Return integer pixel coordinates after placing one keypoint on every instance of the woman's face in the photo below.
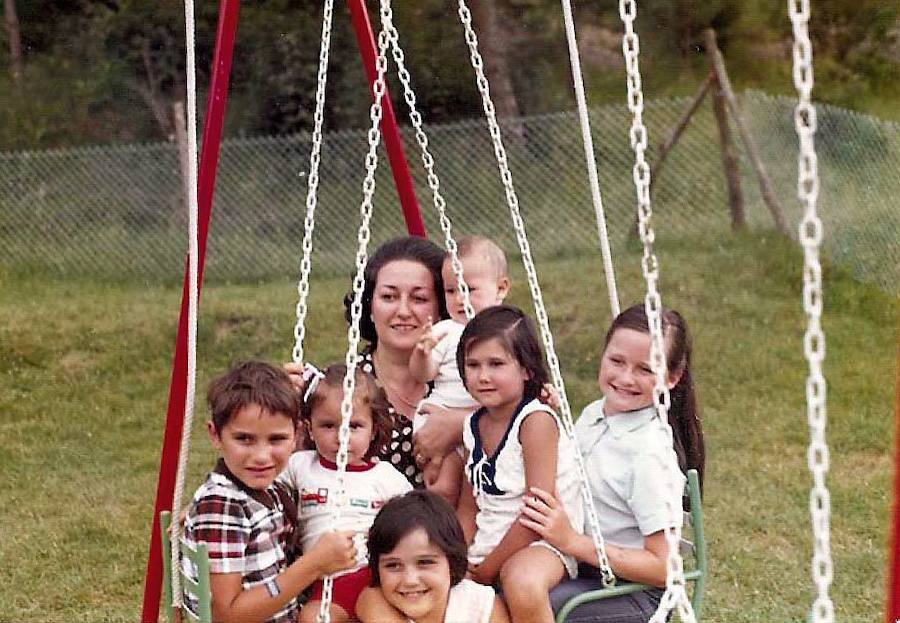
(403, 300)
(415, 577)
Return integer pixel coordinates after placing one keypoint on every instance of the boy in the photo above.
(434, 358)
(243, 515)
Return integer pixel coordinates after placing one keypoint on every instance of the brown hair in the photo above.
(515, 332)
(251, 383)
(367, 392)
(684, 416)
(418, 509)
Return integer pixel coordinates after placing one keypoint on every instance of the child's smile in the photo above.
(625, 377)
(415, 578)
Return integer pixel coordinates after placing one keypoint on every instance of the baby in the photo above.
(434, 358)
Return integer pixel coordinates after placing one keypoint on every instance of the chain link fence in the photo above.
(117, 212)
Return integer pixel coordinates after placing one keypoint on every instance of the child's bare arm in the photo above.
(333, 552)
(421, 366)
(466, 510)
(538, 435)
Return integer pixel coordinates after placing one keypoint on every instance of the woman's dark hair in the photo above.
(684, 415)
(418, 509)
(512, 327)
(251, 383)
(367, 391)
(410, 248)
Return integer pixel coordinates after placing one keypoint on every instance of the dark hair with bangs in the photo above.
(367, 391)
(684, 415)
(251, 383)
(411, 248)
(515, 332)
(418, 509)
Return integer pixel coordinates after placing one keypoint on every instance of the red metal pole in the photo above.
(892, 610)
(206, 181)
(393, 144)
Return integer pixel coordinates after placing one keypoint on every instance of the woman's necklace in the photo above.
(396, 396)
(399, 400)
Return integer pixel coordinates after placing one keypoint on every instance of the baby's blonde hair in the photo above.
(468, 246)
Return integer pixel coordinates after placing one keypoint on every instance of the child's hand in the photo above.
(549, 396)
(477, 573)
(427, 339)
(545, 515)
(333, 552)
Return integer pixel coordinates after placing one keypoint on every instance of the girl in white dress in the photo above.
(514, 442)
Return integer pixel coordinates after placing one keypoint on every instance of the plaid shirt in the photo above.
(247, 531)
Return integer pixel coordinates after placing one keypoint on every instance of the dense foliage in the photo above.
(109, 70)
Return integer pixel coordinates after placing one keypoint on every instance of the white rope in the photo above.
(814, 338)
(590, 161)
(533, 285)
(675, 595)
(313, 184)
(193, 291)
(359, 283)
(440, 204)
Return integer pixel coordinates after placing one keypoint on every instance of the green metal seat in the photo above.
(695, 561)
(199, 587)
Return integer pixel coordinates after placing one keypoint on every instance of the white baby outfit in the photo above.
(498, 483)
(449, 390)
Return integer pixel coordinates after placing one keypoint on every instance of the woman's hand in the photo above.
(441, 433)
(295, 373)
(549, 396)
(544, 514)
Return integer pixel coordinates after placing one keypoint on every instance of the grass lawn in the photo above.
(85, 370)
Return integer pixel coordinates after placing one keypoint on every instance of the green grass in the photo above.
(84, 371)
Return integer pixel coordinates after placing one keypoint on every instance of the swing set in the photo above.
(165, 552)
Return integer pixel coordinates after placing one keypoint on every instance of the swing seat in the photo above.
(695, 550)
(199, 588)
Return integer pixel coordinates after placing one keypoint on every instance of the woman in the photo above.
(403, 291)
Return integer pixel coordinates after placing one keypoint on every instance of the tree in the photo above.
(14, 37)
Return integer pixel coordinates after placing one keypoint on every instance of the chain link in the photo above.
(313, 184)
(359, 283)
(810, 234)
(608, 578)
(675, 595)
(440, 204)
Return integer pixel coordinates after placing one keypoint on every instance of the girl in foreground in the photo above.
(629, 460)
(514, 442)
(417, 556)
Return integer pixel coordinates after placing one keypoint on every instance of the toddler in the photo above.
(434, 359)
(367, 484)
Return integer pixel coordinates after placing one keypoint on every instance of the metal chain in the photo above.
(590, 160)
(675, 595)
(193, 300)
(440, 204)
(313, 184)
(359, 283)
(608, 578)
(810, 234)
